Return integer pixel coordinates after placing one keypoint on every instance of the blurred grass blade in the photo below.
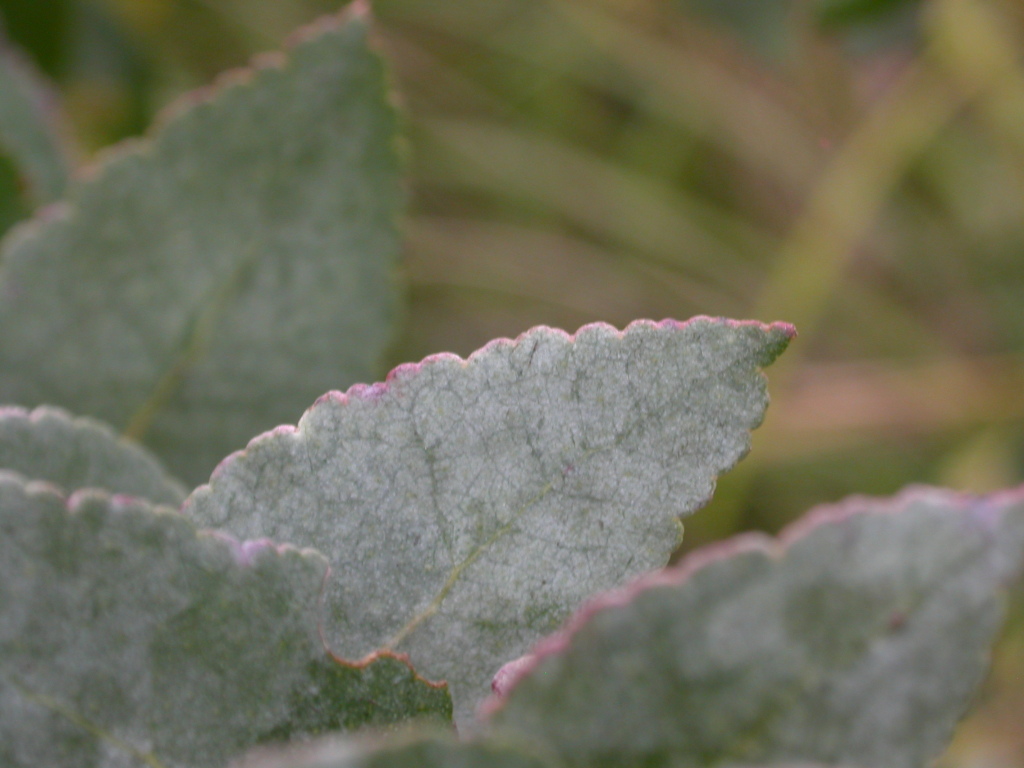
(553, 267)
(628, 209)
(31, 129)
(974, 42)
(846, 201)
(687, 83)
(835, 407)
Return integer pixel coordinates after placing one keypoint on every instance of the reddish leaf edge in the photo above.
(239, 77)
(783, 332)
(137, 149)
(985, 509)
(41, 413)
(244, 552)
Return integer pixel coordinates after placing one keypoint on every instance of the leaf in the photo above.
(208, 283)
(378, 691)
(29, 126)
(468, 506)
(13, 205)
(856, 639)
(417, 751)
(129, 638)
(48, 444)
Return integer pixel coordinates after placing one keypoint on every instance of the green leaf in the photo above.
(468, 506)
(29, 127)
(379, 691)
(48, 444)
(417, 751)
(129, 638)
(207, 284)
(13, 205)
(856, 640)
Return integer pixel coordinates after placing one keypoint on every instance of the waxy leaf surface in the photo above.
(424, 751)
(128, 638)
(468, 506)
(855, 640)
(48, 444)
(206, 284)
(29, 131)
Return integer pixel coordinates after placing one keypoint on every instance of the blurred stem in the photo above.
(843, 406)
(689, 83)
(839, 212)
(983, 462)
(974, 44)
(631, 210)
(847, 199)
(547, 266)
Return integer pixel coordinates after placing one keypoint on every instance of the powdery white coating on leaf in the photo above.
(855, 639)
(468, 506)
(124, 631)
(49, 444)
(206, 284)
(127, 637)
(408, 751)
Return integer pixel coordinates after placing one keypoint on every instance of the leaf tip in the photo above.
(781, 334)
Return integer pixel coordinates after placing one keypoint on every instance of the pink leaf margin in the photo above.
(784, 332)
(983, 510)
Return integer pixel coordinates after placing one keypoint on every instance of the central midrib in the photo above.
(196, 342)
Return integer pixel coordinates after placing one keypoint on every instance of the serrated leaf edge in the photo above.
(244, 554)
(138, 148)
(42, 412)
(982, 508)
(369, 392)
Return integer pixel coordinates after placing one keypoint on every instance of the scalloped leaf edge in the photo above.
(982, 507)
(785, 333)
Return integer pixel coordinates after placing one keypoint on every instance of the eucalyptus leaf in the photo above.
(468, 506)
(857, 639)
(129, 638)
(206, 284)
(30, 132)
(418, 751)
(49, 444)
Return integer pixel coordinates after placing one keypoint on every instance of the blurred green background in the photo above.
(855, 167)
